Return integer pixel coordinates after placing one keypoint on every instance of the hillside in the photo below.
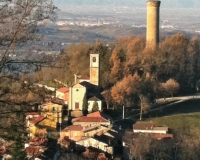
(182, 116)
(75, 34)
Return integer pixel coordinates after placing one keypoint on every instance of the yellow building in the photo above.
(53, 114)
(33, 127)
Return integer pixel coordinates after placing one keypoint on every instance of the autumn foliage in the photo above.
(124, 89)
(128, 70)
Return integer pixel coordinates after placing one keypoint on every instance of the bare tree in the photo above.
(171, 86)
(144, 104)
(19, 21)
(18, 26)
(107, 96)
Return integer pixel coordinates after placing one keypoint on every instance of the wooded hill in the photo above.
(130, 71)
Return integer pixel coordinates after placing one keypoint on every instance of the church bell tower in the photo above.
(94, 68)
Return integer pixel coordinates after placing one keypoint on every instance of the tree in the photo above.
(144, 104)
(116, 70)
(19, 21)
(95, 106)
(171, 86)
(123, 91)
(18, 152)
(85, 105)
(107, 96)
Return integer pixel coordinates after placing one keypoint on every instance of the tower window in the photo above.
(94, 59)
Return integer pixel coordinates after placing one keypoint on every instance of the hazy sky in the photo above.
(134, 3)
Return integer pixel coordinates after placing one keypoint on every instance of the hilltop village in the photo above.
(87, 119)
(93, 134)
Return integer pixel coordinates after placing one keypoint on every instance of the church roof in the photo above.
(86, 84)
(94, 98)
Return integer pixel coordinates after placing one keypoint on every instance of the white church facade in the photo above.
(88, 87)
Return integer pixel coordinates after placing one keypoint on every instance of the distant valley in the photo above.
(88, 23)
(140, 3)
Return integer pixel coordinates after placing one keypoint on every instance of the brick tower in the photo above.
(152, 30)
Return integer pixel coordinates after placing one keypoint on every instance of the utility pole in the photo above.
(123, 113)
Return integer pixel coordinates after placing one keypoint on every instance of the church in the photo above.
(86, 87)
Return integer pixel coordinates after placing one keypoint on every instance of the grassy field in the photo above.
(182, 116)
(179, 116)
(185, 122)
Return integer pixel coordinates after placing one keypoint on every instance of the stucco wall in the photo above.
(52, 111)
(150, 131)
(97, 144)
(91, 105)
(78, 92)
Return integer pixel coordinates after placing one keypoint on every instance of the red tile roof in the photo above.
(162, 136)
(32, 150)
(86, 84)
(37, 119)
(94, 114)
(89, 119)
(84, 77)
(73, 128)
(63, 90)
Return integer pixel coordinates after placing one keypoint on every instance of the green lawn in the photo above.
(182, 116)
(185, 122)
(188, 106)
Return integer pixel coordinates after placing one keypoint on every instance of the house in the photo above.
(63, 93)
(30, 116)
(91, 102)
(148, 127)
(52, 112)
(33, 152)
(86, 126)
(73, 132)
(96, 143)
(33, 129)
(92, 119)
(48, 120)
(94, 153)
(159, 136)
